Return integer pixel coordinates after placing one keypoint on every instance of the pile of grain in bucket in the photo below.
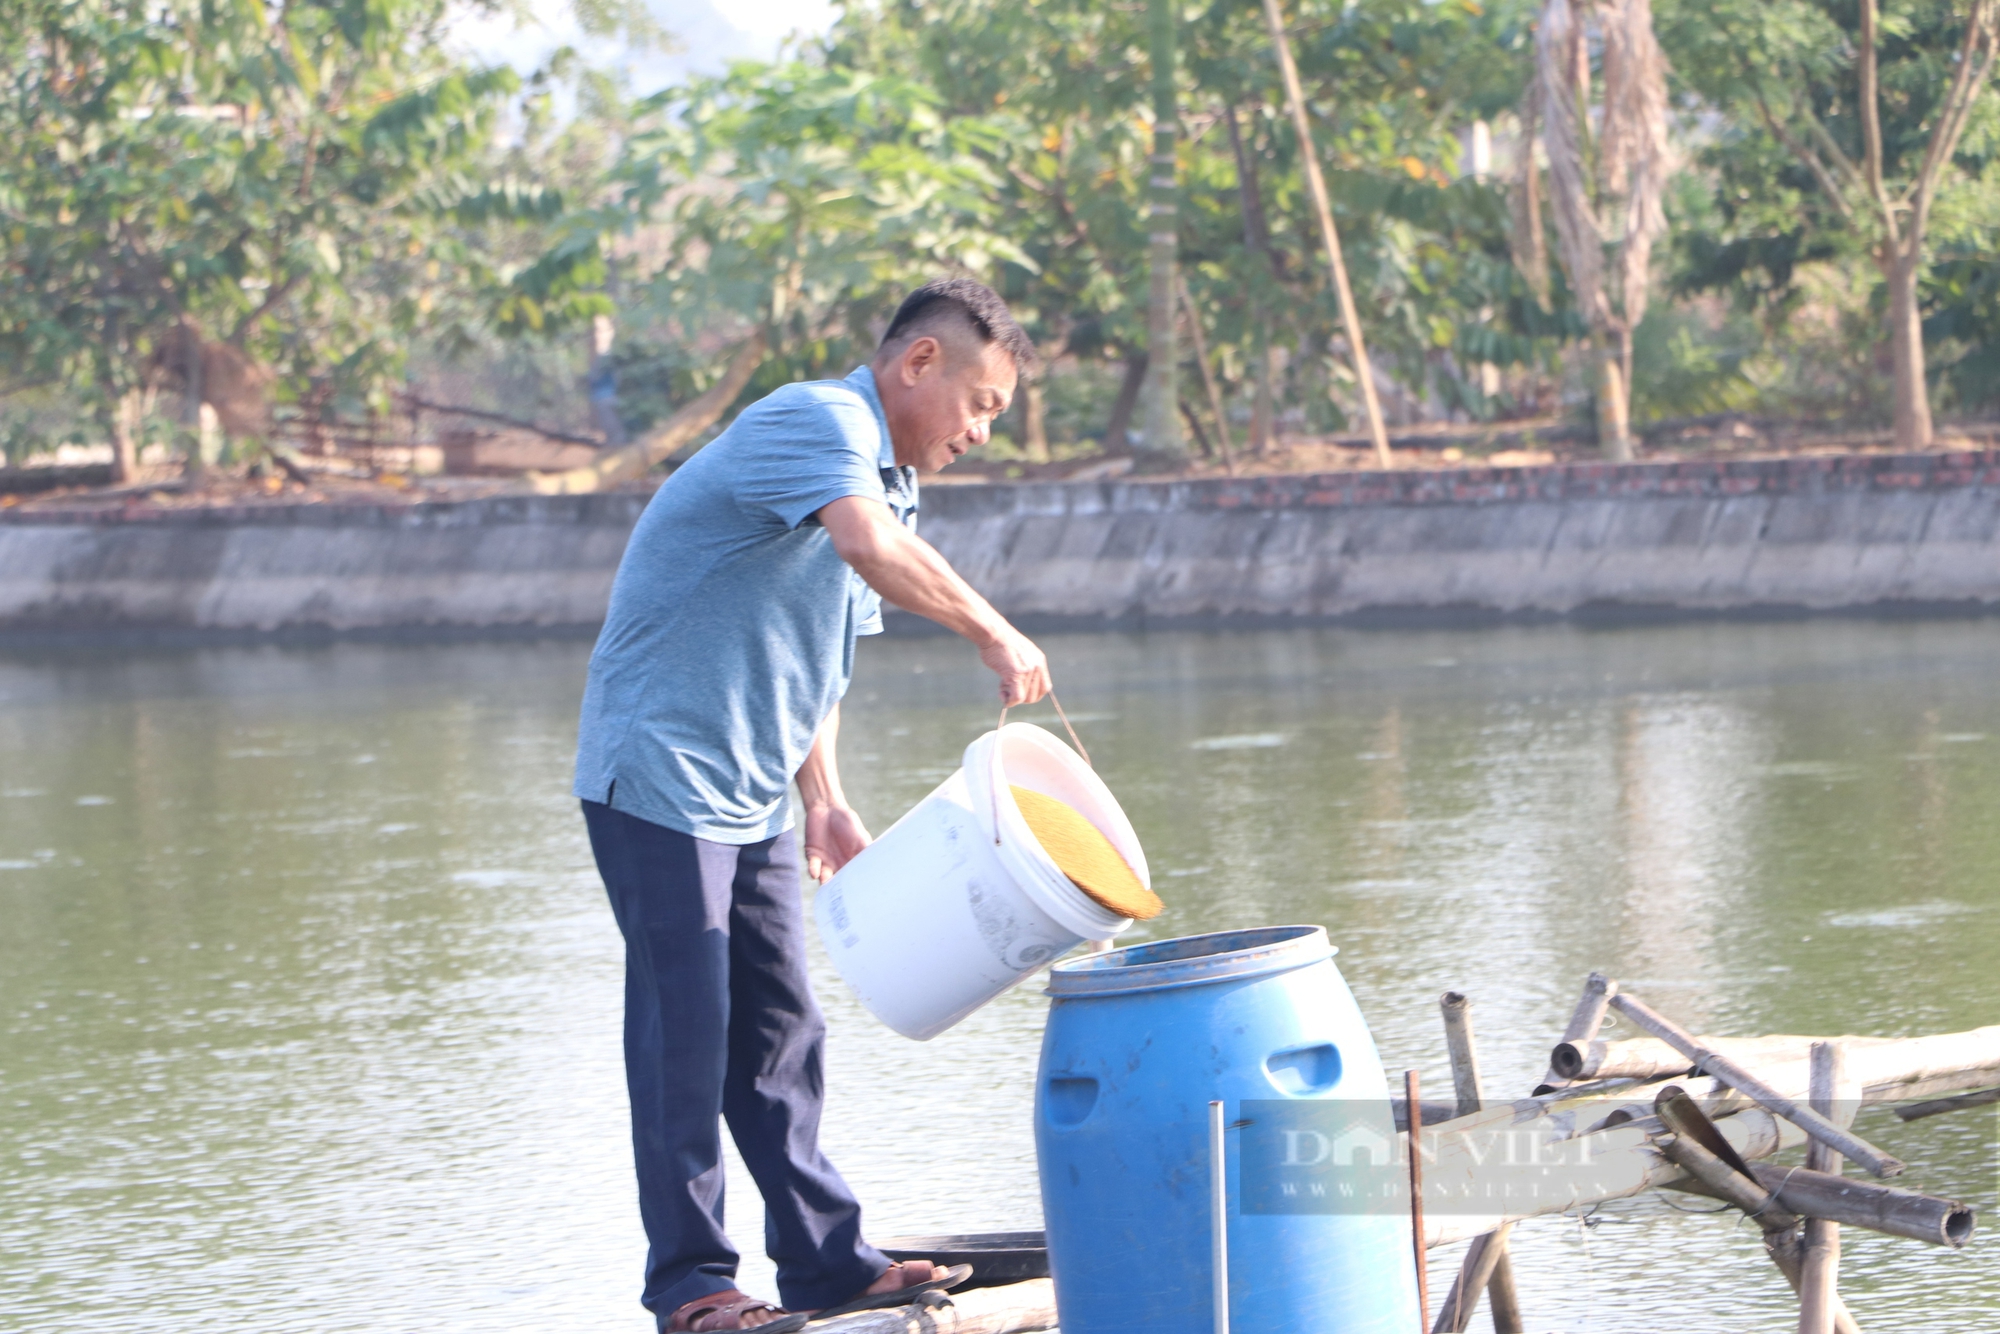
(1081, 851)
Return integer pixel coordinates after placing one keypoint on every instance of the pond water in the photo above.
(309, 997)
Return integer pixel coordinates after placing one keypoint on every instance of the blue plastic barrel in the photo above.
(1139, 1041)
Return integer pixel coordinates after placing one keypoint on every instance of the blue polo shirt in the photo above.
(730, 635)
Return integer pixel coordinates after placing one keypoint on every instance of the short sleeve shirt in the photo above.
(730, 634)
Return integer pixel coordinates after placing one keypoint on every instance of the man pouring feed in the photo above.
(717, 681)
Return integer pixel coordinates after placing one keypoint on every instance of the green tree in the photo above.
(782, 210)
(1846, 131)
(244, 203)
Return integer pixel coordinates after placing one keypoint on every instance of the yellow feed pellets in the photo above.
(1086, 855)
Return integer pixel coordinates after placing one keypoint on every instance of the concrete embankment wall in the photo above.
(1879, 532)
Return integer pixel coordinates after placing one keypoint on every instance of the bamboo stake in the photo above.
(1457, 1012)
(1805, 1118)
(1417, 1196)
(1719, 1170)
(1487, 1266)
(1820, 1274)
(1208, 379)
(1350, 317)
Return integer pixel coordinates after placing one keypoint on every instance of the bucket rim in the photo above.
(1035, 872)
(1183, 961)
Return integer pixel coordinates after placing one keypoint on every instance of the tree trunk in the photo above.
(666, 439)
(1614, 407)
(1263, 408)
(1034, 423)
(191, 386)
(602, 383)
(1160, 435)
(1906, 351)
(1257, 241)
(1196, 429)
(125, 436)
(1117, 438)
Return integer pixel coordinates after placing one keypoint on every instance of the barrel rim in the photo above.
(1264, 950)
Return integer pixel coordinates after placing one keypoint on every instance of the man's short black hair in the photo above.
(970, 302)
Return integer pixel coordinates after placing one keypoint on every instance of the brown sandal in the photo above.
(908, 1294)
(725, 1311)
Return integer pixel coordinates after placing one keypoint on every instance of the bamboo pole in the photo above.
(1819, 1275)
(1718, 1170)
(1487, 1266)
(1417, 1231)
(1470, 1163)
(1584, 1022)
(1208, 378)
(1350, 317)
(1159, 393)
(1457, 1012)
(1011, 1308)
(1890, 1210)
(1650, 1058)
(1805, 1118)
(1436, 1113)
(1918, 1111)
(1877, 1064)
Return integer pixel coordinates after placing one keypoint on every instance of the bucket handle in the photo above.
(1075, 740)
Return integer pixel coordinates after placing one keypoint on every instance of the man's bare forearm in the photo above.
(909, 572)
(819, 776)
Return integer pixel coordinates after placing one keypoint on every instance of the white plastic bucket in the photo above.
(935, 918)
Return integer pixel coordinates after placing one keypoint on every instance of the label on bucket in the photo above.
(836, 912)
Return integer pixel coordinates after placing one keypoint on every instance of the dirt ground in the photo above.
(1514, 445)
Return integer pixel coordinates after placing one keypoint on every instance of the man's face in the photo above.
(942, 401)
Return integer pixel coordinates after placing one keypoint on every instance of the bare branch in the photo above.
(1831, 147)
(248, 324)
(1975, 65)
(1871, 116)
(1832, 189)
(500, 419)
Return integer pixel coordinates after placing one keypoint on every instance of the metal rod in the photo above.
(1417, 1199)
(1709, 1062)
(1218, 1212)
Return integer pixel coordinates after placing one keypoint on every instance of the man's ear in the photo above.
(924, 354)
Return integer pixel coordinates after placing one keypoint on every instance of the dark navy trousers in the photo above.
(720, 1022)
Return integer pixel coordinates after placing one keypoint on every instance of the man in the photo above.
(716, 681)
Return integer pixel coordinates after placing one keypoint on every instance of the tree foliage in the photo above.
(306, 186)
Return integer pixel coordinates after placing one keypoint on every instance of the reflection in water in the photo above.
(309, 999)
(1687, 780)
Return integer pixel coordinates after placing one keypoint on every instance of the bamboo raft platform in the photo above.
(1671, 1110)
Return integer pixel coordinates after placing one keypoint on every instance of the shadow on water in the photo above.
(309, 1000)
